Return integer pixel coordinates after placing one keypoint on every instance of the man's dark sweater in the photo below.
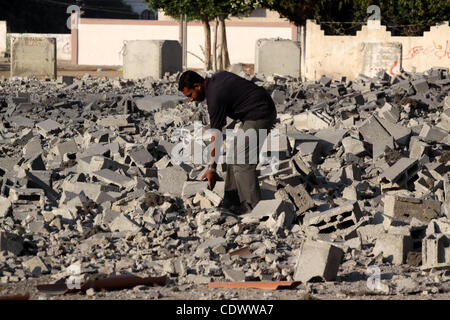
(230, 95)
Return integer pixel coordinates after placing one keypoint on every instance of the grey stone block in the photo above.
(11, 242)
(421, 86)
(435, 251)
(270, 208)
(395, 247)
(158, 103)
(278, 56)
(336, 219)
(301, 198)
(404, 209)
(33, 57)
(317, 260)
(123, 224)
(48, 126)
(111, 177)
(171, 180)
(151, 58)
(398, 175)
(5, 206)
(434, 134)
(190, 188)
(35, 266)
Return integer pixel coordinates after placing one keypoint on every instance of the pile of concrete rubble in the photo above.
(87, 177)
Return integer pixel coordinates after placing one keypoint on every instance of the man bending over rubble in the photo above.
(230, 95)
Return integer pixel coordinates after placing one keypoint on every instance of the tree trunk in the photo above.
(207, 53)
(219, 45)
(224, 47)
(214, 48)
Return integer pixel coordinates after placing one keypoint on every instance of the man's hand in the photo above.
(212, 178)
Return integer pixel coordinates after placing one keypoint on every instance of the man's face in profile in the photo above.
(195, 94)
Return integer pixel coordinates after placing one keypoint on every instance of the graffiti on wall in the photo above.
(437, 50)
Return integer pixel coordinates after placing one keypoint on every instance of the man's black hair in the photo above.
(188, 79)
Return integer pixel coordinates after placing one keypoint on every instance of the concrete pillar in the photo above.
(33, 57)
(278, 56)
(2, 38)
(151, 58)
(382, 56)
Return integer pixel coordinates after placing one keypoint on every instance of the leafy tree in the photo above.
(195, 10)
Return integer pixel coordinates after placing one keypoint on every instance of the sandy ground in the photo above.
(66, 69)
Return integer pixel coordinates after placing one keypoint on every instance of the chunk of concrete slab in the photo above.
(317, 260)
(435, 251)
(171, 180)
(312, 121)
(151, 58)
(445, 120)
(111, 177)
(403, 209)
(395, 247)
(301, 198)
(36, 266)
(158, 103)
(5, 206)
(398, 175)
(48, 126)
(270, 208)
(353, 146)
(432, 133)
(33, 57)
(335, 219)
(191, 188)
(123, 224)
(278, 56)
(11, 242)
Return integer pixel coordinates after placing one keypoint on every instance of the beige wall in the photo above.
(100, 41)
(241, 41)
(2, 38)
(336, 56)
(63, 43)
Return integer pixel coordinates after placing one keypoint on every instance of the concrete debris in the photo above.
(87, 170)
(317, 261)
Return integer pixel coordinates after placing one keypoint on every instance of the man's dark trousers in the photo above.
(241, 182)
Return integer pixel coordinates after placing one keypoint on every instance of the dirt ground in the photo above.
(66, 69)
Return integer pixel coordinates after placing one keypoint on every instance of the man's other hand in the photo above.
(212, 178)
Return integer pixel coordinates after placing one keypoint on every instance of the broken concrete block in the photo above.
(353, 146)
(317, 260)
(35, 266)
(158, 103)
(33, 146)
(213, 197)
(312, 121)
(445, 120)
(11, 242)
(191, 188)
(435, 251)
(432, 133)
(421, 86)
(389, 112)
(301, 198)
(271, 208)
(399, 133)
(5, 206)
(27, 196)
(48, 126)
(114, 121)
(403, 209)
(139, 157)
(234, 275)
(398, 175)
(418, 148)
(336, 219)
(171, 180)
(111, 177)
(395, 247)
(123, 224)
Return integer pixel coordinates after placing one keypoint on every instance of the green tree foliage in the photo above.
(406, 17)
(403, 17)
